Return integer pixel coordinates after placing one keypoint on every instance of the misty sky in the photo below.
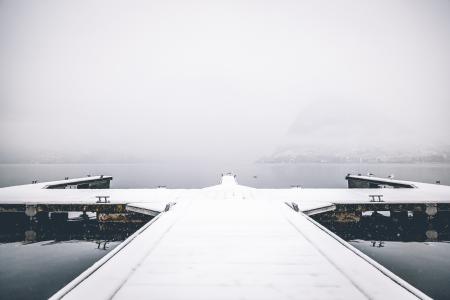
(219, 80)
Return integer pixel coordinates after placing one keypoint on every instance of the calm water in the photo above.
(194, 176)
(426, 265)
(37, 270)
(39, 258)
(36, 261)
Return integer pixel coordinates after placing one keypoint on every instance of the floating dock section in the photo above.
(227, 243)
(235, 242)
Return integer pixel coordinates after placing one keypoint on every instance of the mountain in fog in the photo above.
(361, 131)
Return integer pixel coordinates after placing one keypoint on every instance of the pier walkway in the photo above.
(231, 241)
(227, 243)
(60, 196)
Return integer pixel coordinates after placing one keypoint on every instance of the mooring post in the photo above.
(431, 210)
(169, 205)
(31, 210)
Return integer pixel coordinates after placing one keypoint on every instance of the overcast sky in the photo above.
(218, 80)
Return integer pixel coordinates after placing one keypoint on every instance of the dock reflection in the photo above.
(388, 226)
(16, 227)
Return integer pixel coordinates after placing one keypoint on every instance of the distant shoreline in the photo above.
(256, 162)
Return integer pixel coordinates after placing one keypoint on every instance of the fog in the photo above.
(220, 81)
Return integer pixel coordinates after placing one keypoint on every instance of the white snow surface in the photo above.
(227, 242)
(156, 199)
(232, 242)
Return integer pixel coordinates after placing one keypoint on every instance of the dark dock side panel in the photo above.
(98, 182)
(366, 182)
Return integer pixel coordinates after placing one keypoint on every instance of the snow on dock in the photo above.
(372, 181)
(309, 201)
(231, 241)
(227, 243)
(99, 181)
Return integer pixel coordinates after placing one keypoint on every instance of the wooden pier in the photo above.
(235, 242)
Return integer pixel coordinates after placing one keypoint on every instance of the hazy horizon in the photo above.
(220, 81)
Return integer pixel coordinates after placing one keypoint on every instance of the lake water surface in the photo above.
(312, 175)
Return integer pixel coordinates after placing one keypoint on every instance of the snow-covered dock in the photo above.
(233, 242)
(45, 197)
(227, 243)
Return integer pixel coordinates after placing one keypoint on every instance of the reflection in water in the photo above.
(415, 247)
(15, 227)
(380, 244)
(391, 226)
(425, 265)
(41, 255)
